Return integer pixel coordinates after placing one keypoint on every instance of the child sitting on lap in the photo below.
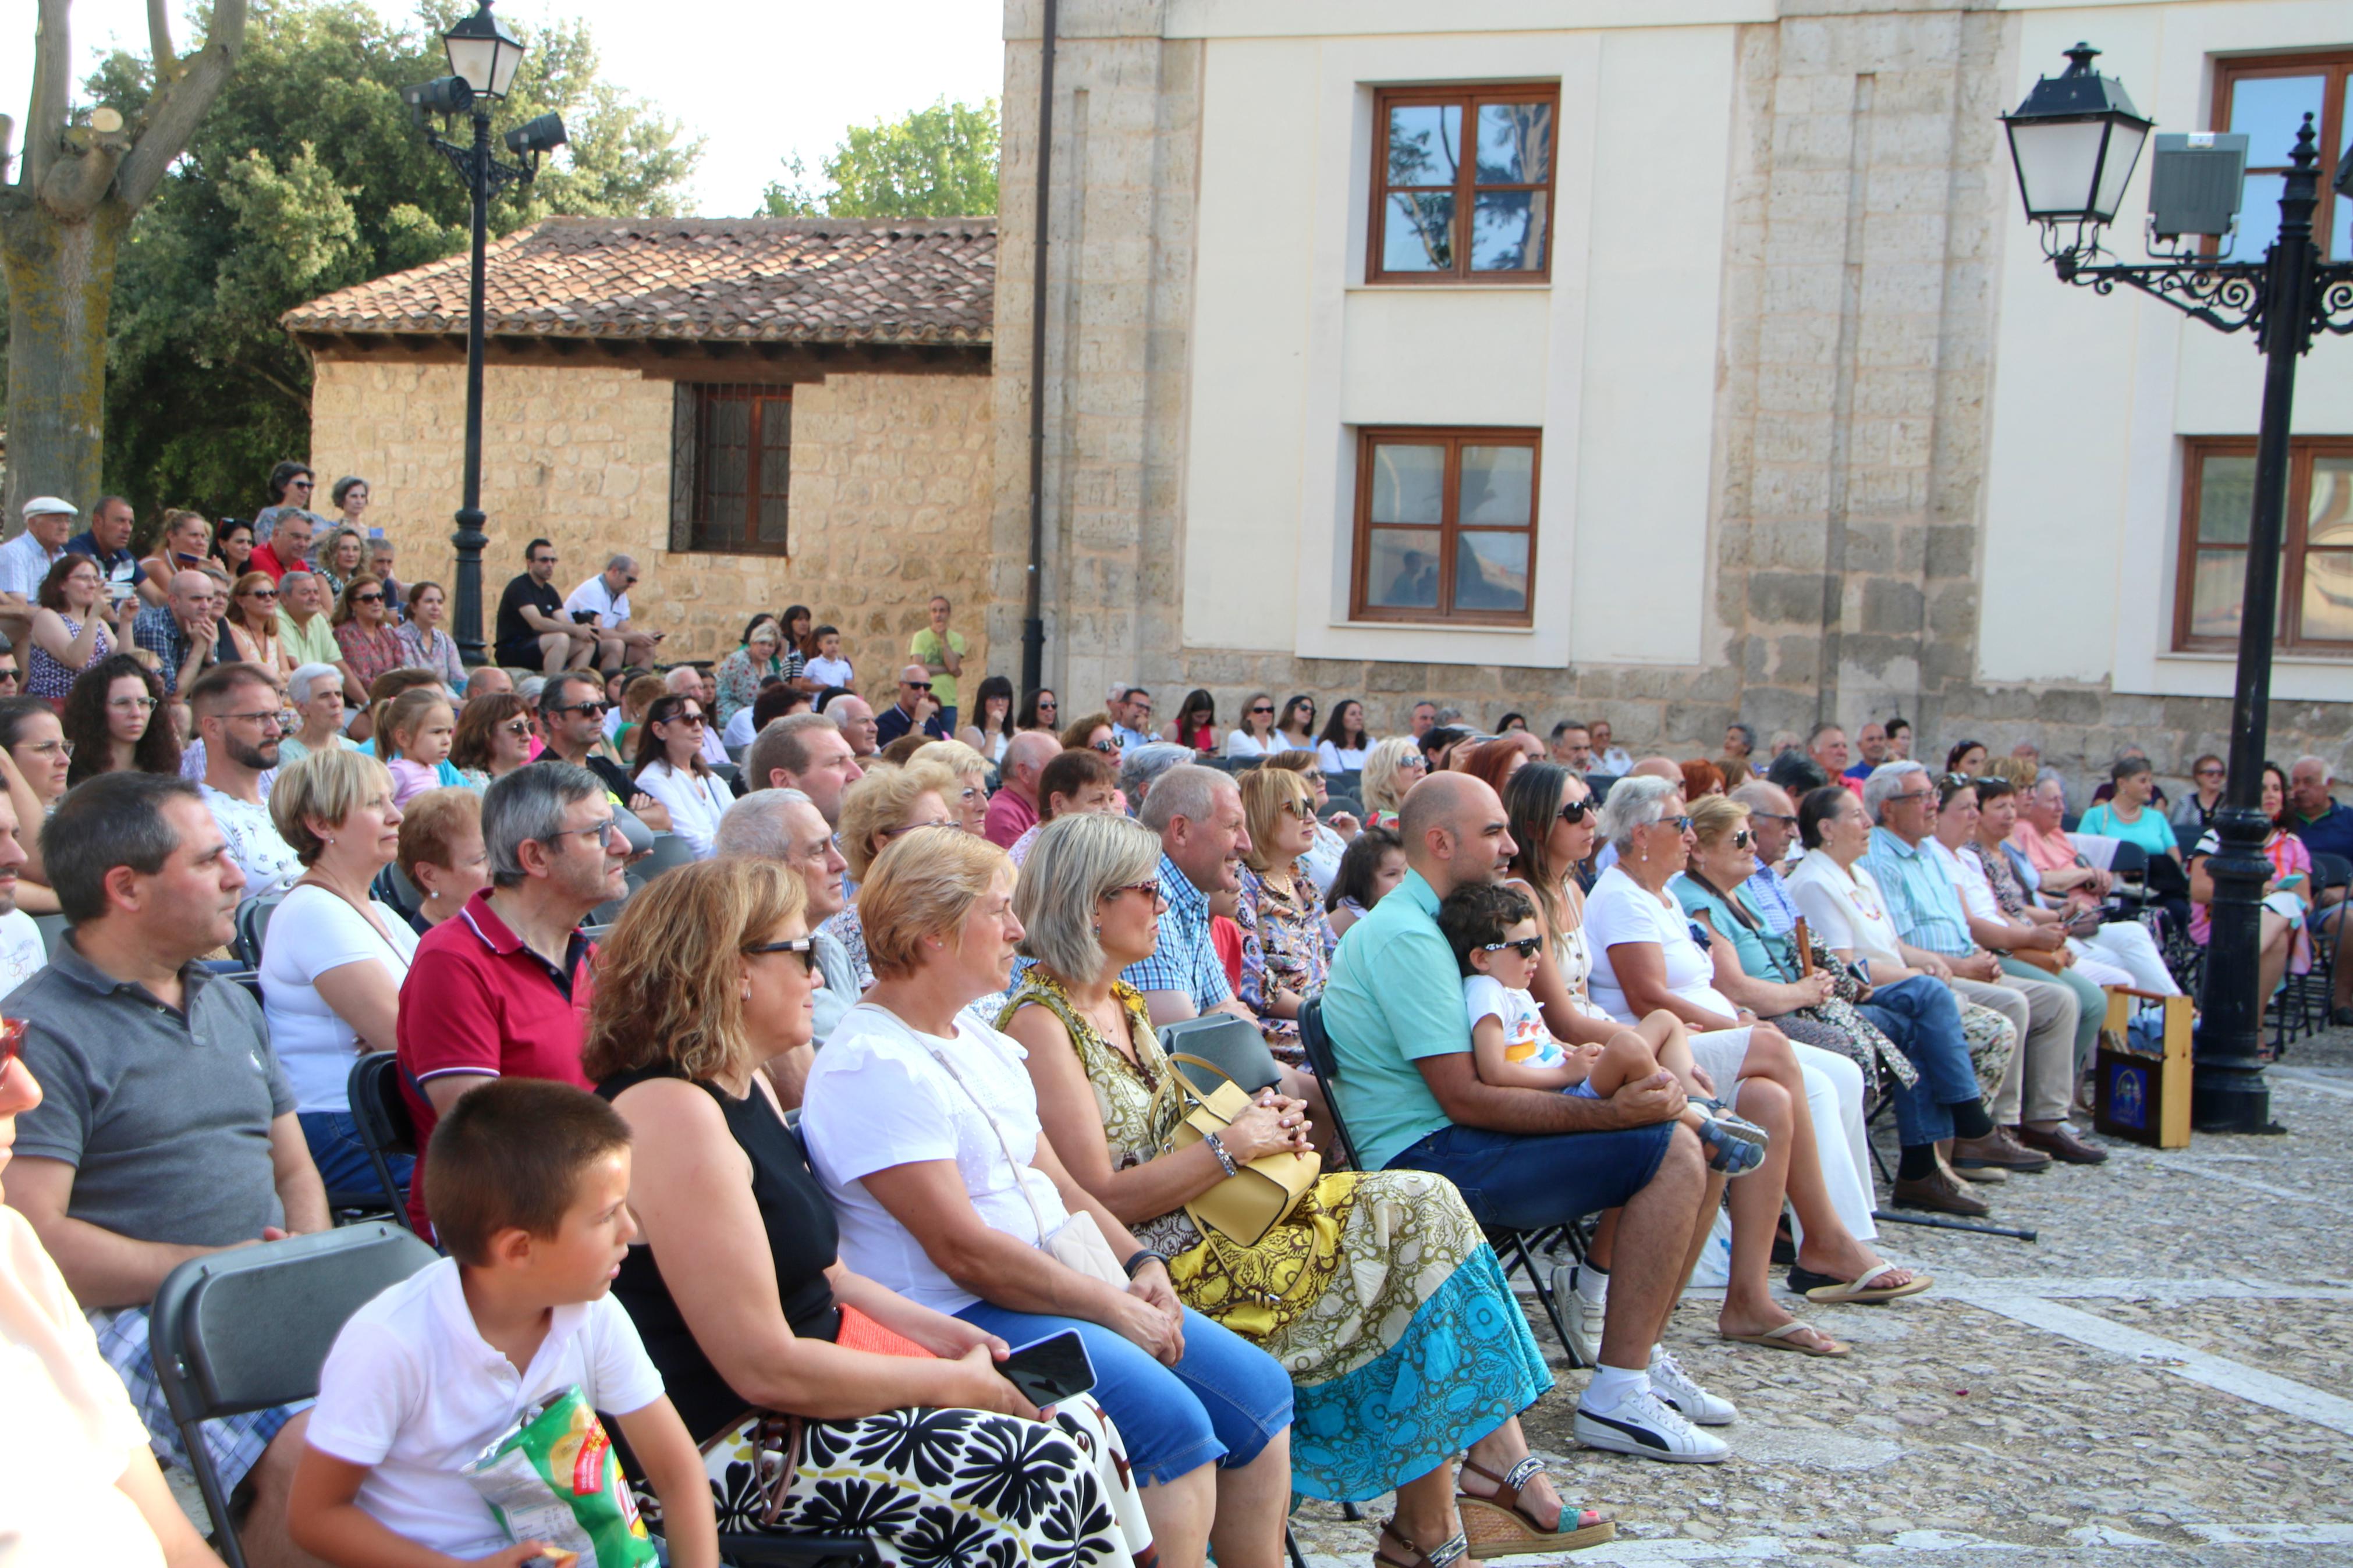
(528, 1189)
(1497, 940)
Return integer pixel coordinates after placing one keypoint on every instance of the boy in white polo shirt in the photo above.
(530, 1195)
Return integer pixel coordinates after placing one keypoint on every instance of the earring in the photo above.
(1098, 930)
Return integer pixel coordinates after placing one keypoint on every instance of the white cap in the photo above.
(45, 506)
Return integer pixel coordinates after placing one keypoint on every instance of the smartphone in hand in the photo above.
(1051, 1370)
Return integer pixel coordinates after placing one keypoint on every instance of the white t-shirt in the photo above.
(312, 932)
(1339, 760)
(1526, 1041)
(69, 1432)
(879, 1097)
(412, 1390)
(1977, 893)
(22, 952)
(1618, 910)
(596, 597)
(253, 843)
(829, 672)
(739, 732)
(695, 805)
(1845, 910)
(1240, 744)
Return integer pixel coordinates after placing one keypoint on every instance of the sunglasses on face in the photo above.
(1679, 823)
(801, 947)
(1048, 706)
(1526, 946)
(261, 593)
(1104, 745)
(519, 729)
(1149, 889)
(2210, 773)
(1742, 838)
(598, 709)
(601, 831)
(690, 717)
(8, 676)
(1576, 810)
(1300, 809)
(367, 598)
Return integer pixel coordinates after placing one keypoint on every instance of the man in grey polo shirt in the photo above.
(166, 1129)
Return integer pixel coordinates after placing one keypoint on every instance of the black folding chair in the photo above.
(386, 1128)
(253, 926)
(1516, 1248)
(250, 1328)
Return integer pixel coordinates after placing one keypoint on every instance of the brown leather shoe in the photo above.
(2063, 1144)
(1941, 1192)
(1998, 1148)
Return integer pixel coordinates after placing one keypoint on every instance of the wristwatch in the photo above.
(1143, 1256)
(1217, 1147)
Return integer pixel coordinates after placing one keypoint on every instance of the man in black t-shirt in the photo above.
(533, 630)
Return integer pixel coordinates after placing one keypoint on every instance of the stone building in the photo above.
(1746, 393)
(763, 411)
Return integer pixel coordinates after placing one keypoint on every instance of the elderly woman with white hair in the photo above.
(970, 803)
(1392, 767)
(1645, 957)
(315, 692)
(1371, 1272)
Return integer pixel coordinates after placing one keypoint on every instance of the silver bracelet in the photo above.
(1217, 1147)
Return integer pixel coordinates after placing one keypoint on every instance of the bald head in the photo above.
(1771, 815)
(1658, 768)
(1455, 831)
(1026, 755)
(191, 595)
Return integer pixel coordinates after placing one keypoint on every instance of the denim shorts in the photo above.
(1223, 1402)
(341, 1158)
(1526, 1181)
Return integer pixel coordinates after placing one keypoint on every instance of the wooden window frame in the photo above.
(689, 528)
(1466, 97)
(2302, 451)
(1454, 438)
(2335, 65)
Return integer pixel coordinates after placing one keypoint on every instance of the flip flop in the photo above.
(1783, 1339)
(1830, 1290)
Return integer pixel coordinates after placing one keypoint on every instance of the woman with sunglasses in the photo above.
(250, 630)
(493, 739)
(1095, 733)
(2196, 806)
(369, 646)
(1297, 727)
(1040, 710)
(887, 804)
(291, 484)
(113, 717)
(1256, 738)
(670, 767)
(423, 643)
(1286, 942)
(1392, 767)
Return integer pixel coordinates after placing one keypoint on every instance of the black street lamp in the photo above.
(2074, 141)
(482, 59)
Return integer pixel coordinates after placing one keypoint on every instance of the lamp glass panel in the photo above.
(475, 59)
(503, 70)
(1491, 571)
(2123, 151)
(2340, 230)
(1409, 483)
(2056, 164)
(1401, 568)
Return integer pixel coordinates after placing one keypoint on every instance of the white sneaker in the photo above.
(1648, 1427)
(1583, 1319)
(1671, 1382)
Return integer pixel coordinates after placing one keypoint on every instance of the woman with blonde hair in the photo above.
(442, 853)
(249, 630)
(887, 801)
(1352, 1293)
(1286, 941)
(970, 801)
(335, 959)
(181, 545)
(738, 1288)
(341, 558)
(1392, 767)
(923, 1126)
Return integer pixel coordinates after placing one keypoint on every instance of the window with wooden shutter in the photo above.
(730, 463)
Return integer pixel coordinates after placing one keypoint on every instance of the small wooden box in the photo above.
(2142, 1097)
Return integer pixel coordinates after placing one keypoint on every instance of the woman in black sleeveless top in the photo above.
(737, 1288)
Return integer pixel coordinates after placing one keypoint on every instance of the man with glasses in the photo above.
(288, 549)
(915, 707)
(12, 677)
(604, 599)
(532, 632)
(1774, 817)
(1932, 927)
(239, 715)
(183, 631)
(786, 826)
(572, 720)
(499, 990)
(1130, 718)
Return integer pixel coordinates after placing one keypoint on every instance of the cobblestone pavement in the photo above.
(2159, 1379)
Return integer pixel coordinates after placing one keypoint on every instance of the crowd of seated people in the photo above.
(1557, 983)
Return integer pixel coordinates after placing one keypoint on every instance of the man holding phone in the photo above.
(603, 601)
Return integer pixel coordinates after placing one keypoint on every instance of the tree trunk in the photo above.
(60, 283)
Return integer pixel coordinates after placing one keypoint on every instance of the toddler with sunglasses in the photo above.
(1493, 930)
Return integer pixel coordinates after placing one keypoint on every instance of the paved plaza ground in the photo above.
(2161, 1379)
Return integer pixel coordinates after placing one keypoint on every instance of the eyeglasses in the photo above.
(1526, 946)
(630, 581)
(1300, 809)
(1149, 889)
(51, 748)
(801, 947)
(601, 831)
(299, 485)
(2210, 773)
(1773, 816)
(1576, 810)
(8, 673)
(1043, 706)
(693, 719)
(1913, 795)
(1413, 763)
(1680, 823)
(272, 716)
(128, 703)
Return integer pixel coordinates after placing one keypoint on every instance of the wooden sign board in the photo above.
(2140, 1096)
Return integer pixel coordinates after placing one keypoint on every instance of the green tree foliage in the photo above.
(309, 176)
(939, 162)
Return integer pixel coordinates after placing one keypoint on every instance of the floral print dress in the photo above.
(1287, 943)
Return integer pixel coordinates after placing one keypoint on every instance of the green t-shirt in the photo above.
(1394, 996)
(925, 649)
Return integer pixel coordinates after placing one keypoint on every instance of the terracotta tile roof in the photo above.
(930, 281)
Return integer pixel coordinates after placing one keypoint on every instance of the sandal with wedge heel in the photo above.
(1414, 1557)
(1501, 1526)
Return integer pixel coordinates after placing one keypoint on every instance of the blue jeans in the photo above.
(1224, 1401)
(1922, 1017)
(1526, 1181)
(341, 1158)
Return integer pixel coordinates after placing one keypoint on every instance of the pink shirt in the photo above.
(409, 779)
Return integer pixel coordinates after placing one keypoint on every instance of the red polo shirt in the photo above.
(266, 560)
(1009, 816)
(478, 1001)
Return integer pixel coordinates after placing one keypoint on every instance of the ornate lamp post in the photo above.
(482, 59)
(2074, 141)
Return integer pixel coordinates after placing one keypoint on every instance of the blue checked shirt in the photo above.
(1186, 960)
(1771, 896)
(157, 630)
(1921, 900)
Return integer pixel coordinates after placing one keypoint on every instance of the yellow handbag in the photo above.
(1262, 1193)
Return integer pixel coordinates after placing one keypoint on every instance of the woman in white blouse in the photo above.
(1645, 957)
(1256, 738)
(671, 769)
(1344, 743)
(333, 957)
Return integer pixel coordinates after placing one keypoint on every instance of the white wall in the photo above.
(1613, 357)
(2092, 395)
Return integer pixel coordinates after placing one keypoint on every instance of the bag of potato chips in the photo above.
(553, 1477)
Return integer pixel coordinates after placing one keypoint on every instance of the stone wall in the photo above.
(890, 481)
(1851, 415)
